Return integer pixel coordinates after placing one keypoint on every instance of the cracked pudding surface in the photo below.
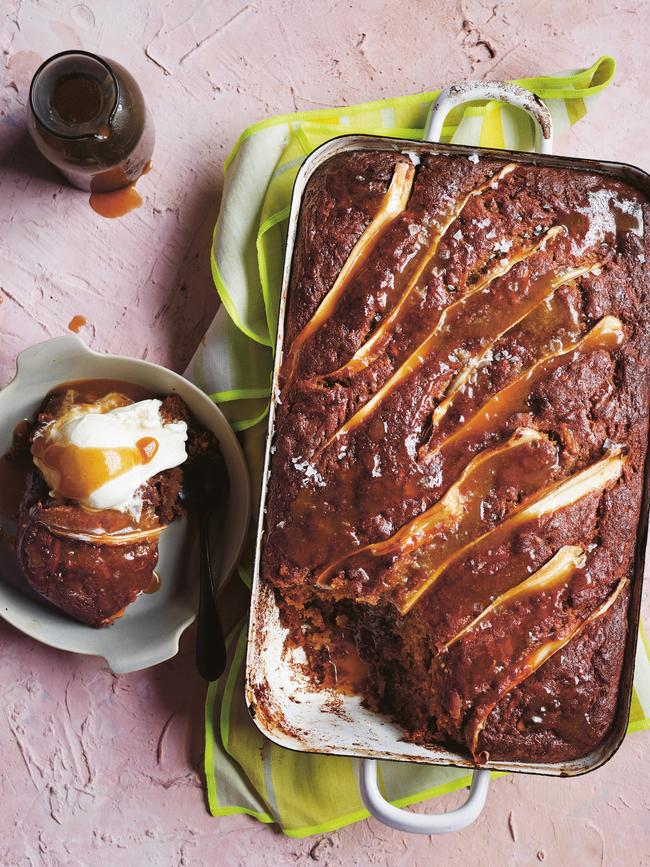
(459, 445)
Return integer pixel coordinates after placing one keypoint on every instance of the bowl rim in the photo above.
(167, 647)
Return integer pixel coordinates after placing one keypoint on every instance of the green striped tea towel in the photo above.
(309, 794)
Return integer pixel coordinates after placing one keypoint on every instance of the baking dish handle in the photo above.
(422, 823)
(501, 91)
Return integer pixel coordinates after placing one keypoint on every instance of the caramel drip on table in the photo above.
(117, 203)
(393, 203)
(526, 462)
(77, 323)
(571, 626)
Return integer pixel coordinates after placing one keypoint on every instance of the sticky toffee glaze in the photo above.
(94, 563)
(459, 445)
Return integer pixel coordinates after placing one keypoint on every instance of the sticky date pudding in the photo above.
(105, 482)
(460, 440)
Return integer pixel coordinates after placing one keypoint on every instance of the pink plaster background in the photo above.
(101, 770)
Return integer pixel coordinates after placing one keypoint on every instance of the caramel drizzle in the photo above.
(130, 537)
(560, 495)
(606, 334)
(442, 340)
(370, 350)
(462, 378)
(458, 513)
(527, 667)
(393, 203)
(557, 569)
(541, 330)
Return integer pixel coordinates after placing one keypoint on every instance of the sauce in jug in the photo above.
(88, 117)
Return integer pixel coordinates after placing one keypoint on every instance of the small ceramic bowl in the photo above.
(150, 629)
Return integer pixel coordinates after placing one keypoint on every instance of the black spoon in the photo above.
(205, 491)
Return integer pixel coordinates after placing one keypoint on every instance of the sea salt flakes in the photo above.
(632, 209)
(491, 234)
(473, 158)
(458, 235)
(415, 159)
(309, 472)
(411, 443)
(538, 229)
(502, 246)
(280, 525)
(597, 271)
(600, 221)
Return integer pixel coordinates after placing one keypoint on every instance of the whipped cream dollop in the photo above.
(100, 454)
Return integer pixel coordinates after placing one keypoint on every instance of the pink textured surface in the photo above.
(99, 769)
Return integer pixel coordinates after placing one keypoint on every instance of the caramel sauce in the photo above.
(70, 520)
(428, 263)
(81, 470)
(349, 670)
(566, 623)
(344, 670)
(117, 203)
(155, 584)
(490, 565)
(325, 514)
(77, 323)
(553, 325)
(626, 221)
(607, 334)
(468, 328)
(518, 635)
(393, 203)
(416, 460)
(147, 446)
(77, 99)
(421, 547)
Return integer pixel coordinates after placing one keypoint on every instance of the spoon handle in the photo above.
(210, 642)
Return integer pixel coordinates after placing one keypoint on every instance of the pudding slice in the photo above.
(105, 484)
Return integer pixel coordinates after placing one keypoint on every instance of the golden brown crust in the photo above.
(498, 300)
